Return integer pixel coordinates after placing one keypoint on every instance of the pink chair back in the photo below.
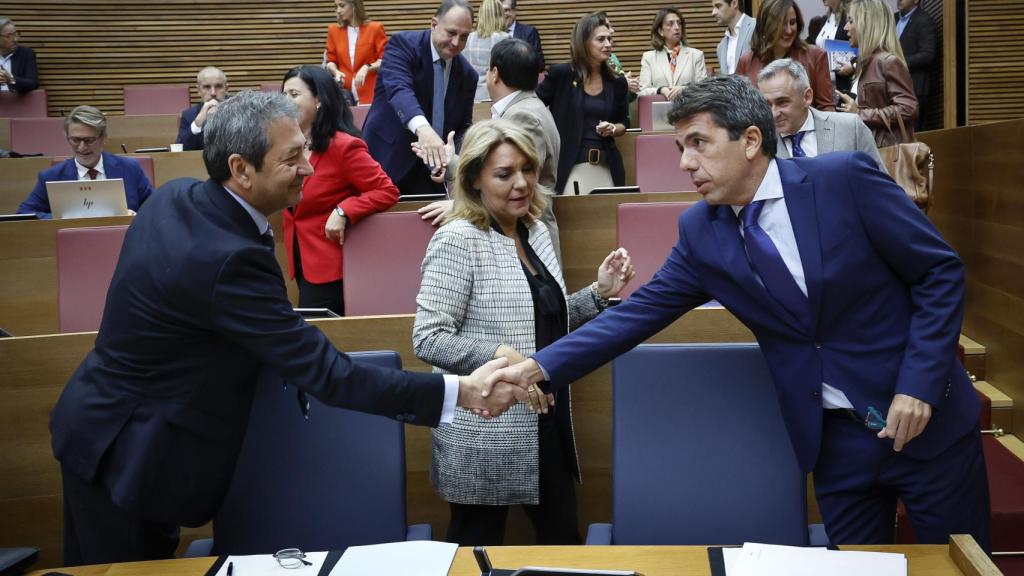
(383, 255)
(657, 165)
(86, 258)
(643, 111)
(145, 161)
(28, 105)
(155, 99)
(272, 87)
(648, 231)
(359, 115)
(39, 136)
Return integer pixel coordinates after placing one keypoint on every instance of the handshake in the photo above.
(495, 387)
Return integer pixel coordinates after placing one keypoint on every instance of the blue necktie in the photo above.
(437, 114)
(798, 152)
(770, 267)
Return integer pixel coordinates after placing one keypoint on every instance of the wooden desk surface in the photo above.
(647, 560)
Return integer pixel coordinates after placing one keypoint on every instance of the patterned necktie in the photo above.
(798, 152)
(768, 264)
(437, 114)
(92, 173)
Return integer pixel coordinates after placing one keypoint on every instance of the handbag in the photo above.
(911, 164)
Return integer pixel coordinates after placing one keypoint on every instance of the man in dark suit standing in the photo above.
(522, 31)
(149, 428)
(855, 300)
(917, 32)
(424, 92)
(212, 85)
(17, 63)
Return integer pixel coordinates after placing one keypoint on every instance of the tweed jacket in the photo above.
(656, 72)
(474, 296)
(885, 90)
(478, 52)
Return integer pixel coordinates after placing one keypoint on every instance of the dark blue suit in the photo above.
(155, 416)
(886, 294)
(137, 186)
(186, 138)
(529, 34)
(23, 68)
(405, 89)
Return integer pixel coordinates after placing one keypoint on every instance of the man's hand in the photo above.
(906, 420)
(431, 148)
(524, 376)
(438, 171)
(498, 398)
(5, 76)
(209, 109)
(335, 228)
(436, 211)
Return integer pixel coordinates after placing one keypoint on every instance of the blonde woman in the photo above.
(492, 287)
(672, 65)
(355, 46)
(490, 29)
(882, 81)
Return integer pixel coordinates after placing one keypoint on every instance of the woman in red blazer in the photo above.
(346, 186)
(355, 68)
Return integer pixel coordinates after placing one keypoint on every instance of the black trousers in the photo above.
(417, 182)
(554, 519)
(97, 531)
(312, 295)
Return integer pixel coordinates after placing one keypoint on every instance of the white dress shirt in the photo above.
(83, 172)
(498, 108)
(5, 63)
(732, 42)
(809, 143)
(828, 31)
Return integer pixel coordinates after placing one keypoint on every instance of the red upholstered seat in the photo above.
(648, 232)
(155, 99)
(86, 258)
(270, 87)
(39, 136)
(644, 119)
(28, 105)
(383, 255)
(145, 161)
(359, 115)
(657, 165)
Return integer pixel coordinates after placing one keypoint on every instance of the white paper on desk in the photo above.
(419, 558)
(770, 560)
(266, 565)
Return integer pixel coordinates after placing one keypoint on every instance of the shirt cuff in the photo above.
(547, 377)
(451, 397)
(416, 122)
(196, 129)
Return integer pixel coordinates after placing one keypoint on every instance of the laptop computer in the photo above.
(659, 116)
(87, 198)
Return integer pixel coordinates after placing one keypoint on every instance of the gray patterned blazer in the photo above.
(474, 296)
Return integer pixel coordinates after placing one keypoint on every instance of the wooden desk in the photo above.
(18, 178)
(648, 560)
(142, 131)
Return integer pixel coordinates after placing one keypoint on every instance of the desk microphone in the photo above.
(125, 148)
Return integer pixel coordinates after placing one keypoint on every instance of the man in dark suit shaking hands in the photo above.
(149, 428)
(212, 85)
(522, 31)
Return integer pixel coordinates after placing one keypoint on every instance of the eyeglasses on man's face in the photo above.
(88, 141)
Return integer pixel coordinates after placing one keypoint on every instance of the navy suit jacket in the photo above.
(529, 34)
(23, 68)
(405, 89)
(885, 289)
(137, 186)
(919, 45)
(197, 307)
(186, 138)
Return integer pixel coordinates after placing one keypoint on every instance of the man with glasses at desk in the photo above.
(86, 130)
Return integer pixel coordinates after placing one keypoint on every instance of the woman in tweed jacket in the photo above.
(492, 287)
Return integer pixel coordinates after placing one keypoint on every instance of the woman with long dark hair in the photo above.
(346, 186)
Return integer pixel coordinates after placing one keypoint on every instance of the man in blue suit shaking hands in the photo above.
(855, 300)
(149, 428)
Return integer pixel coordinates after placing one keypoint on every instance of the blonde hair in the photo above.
(358, 13)
(480, 141)
(492, 18)
(88, 116)
(876, 30)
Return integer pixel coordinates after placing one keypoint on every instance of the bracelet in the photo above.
(602, 301)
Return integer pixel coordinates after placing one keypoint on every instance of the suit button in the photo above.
(817, 345)
(816, 394)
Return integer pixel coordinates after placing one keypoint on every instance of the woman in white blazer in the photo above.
(672, 65)
(492, 287)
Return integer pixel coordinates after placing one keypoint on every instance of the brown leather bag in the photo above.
(911, 164)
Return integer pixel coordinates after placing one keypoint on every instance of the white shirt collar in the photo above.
(498, 108)
(770, 188)
(739, 24)
(807, 126)
(82, 170)
(512, 28)
(262, 224)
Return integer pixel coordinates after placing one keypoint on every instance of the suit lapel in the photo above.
(799, 195)
(344, 47)
(825, 132)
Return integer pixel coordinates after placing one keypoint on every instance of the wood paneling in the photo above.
(89, 50)
(995, 39)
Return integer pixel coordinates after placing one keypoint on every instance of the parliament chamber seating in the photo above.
(657, 164)
(643, 111)
(359, 114)
(38, 136)
(648, 232)
(381, 265)
(140, 100)
(28, 105)
(86, 258)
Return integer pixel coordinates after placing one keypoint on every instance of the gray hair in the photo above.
(4, 21)
(87, 115)
(242, 126)
(795, 70)
(733, 103)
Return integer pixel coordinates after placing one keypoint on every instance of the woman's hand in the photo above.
(436, 211)
(670, 92)
(632, 82)
(848, 104)
(614, 273)
(360, 78)
(335, 228)
(606, 129)
(845, 70)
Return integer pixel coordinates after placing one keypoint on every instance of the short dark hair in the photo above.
(242, 126)
(333, 115)
(447, 5)
(517, 62)
(733, 103)
(656, 40)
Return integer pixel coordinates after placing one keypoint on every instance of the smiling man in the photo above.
(855, 300)
(86, 131)
(149, 428)
(424, 92)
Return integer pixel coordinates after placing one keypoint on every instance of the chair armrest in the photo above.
(599, 534)
(419, 532)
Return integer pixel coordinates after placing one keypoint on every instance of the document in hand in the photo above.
(770, 560)
(418, 558)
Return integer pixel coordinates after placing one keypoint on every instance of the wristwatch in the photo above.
(340, 212)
